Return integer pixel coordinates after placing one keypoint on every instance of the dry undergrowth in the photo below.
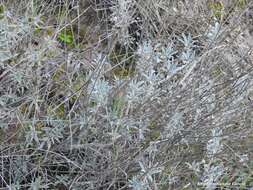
(126, 94)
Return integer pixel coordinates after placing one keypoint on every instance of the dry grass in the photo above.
(125, 94)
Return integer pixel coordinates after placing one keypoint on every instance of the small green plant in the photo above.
(241, 3)
(67, 37)
(2, 9)
(217, 9)
(118, 105)
(37, 30)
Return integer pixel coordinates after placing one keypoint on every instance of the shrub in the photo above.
(149, 95)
